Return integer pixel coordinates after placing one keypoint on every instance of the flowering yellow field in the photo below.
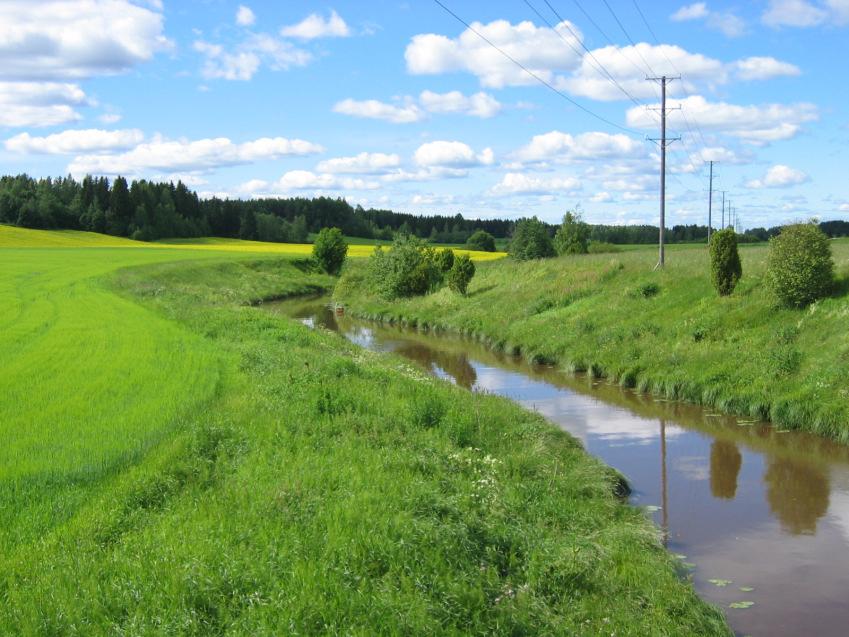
(13, 237)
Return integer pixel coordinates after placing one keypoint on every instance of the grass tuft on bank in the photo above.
(665, 332)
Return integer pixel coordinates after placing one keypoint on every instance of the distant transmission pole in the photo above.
(664, 142)
(710, 201)
(723, 209)
(730, 223)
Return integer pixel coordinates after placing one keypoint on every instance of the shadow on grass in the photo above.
(486, 288)
(841, 286)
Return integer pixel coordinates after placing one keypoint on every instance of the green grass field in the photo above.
(665, 332)
(176, 462)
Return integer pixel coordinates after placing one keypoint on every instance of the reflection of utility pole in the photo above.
(664, 500)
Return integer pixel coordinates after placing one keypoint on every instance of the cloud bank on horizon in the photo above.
(521, 112)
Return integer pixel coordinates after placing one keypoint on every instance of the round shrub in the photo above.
(461, 274)
(800, 268)
(725, 267)
(531, 240)
(330, 249)
(408, 269)
(482, 241)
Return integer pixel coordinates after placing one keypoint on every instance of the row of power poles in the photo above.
(733, 219)
(664, 142)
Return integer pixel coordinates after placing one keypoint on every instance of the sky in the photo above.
(401, 105)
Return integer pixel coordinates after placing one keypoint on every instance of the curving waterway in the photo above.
(743, 504)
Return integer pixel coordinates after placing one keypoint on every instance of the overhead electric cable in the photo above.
(534, 75)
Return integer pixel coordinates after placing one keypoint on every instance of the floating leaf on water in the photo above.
(652, 508)
(714, 415)
(745, 423)
(783, 431)
(688, 565)
(745, 604)
(746, 589)
(722, 583)
(678, 556)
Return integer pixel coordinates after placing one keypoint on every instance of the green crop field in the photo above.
(666, 332)
(176, 462)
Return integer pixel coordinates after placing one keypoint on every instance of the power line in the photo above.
(628, 36)
(671, 63)
(598, 65)
(534, 75)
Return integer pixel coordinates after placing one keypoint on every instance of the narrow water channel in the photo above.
(758, 515)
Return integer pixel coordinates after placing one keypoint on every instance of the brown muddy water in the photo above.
(755, 514)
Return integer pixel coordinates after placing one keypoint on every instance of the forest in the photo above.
(146, 210)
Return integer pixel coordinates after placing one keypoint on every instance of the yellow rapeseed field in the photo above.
(12, 237)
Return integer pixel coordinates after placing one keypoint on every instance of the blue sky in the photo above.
(396, 104)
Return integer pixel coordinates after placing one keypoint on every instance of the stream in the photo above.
(742, 504)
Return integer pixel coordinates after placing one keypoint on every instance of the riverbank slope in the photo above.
(664, 332)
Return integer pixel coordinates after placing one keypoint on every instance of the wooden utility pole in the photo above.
(710, 201)
(664, 142)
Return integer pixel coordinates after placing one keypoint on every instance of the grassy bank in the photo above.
(221, 471)
(663, 332)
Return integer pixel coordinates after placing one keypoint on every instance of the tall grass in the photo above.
(665, 332)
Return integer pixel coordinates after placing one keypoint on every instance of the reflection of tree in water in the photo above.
(725, 463)
(455, 365)
(797, 493)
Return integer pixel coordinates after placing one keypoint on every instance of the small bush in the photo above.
(725, 267)
(800, 268)
(481, 240)
(531, 240)
(407, 269)
(645, 291)
(445, 260)
(330, 249)
(602, 247)
(572, 236)
(461, 274)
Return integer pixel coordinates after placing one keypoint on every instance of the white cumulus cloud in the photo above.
(559, 146)
(46, 45)
(727, 23)
(779, 176)
(622, 61)
(755, 123)
(247, 57)
(202, 155)
(75, 141)
(316, 26)
(522, 184)
(540, 49)
(244, 16)
(695, 11)
(479, 105)
(793, 13)
(361, 164)
(39, 104)
(764, 68)
(374, 109)
(451, 154)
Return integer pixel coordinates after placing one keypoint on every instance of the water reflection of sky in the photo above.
(742, 503)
